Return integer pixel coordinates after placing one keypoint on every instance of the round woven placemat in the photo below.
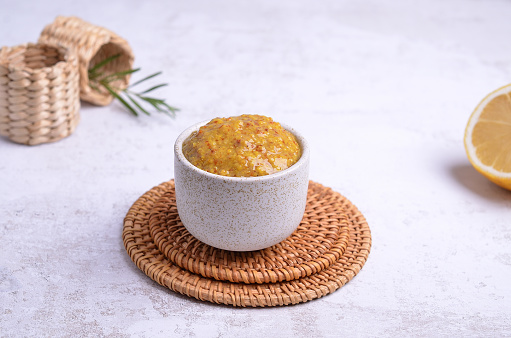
(322, 202)
(318, 242)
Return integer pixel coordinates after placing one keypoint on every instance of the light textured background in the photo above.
(382, 91)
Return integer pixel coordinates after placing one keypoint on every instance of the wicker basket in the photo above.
(39, 93)
(93, 45)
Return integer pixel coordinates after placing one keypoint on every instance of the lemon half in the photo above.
(488, 137)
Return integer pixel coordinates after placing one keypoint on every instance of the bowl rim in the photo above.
(303, 160)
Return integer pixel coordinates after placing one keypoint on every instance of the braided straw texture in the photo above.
(327, 250)
(93, 44)
(39, 94)
(317, 243)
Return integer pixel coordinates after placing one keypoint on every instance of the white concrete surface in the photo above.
(382, 90)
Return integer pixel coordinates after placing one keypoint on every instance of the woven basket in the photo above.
(93, 45)
(39, 93)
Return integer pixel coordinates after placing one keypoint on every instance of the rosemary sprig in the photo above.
(133, 101)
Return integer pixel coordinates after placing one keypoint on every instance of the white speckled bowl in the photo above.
(240, 213)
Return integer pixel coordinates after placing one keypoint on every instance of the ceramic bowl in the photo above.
(240, 213)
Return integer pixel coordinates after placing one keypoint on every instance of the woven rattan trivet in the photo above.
(319, 241)
(143, 250)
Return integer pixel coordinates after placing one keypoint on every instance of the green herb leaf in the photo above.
(138, 105)
(98, 79)
(119, 75)
(118, 97)
(145, 79)
(104, 62)
(153, 88)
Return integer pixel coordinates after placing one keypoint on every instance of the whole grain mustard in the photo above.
(242, 146)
